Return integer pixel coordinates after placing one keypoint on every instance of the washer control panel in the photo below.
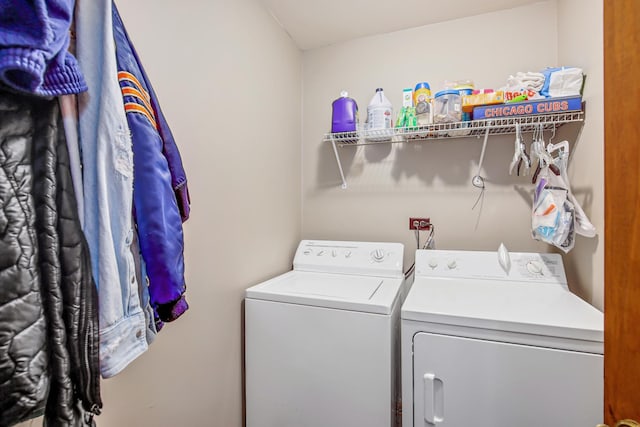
(366, 258)
(522, 267)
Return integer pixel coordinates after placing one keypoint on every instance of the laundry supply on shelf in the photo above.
(407, 115)
(379, 117)
(452, 111)
(481, 97)
(407, 97)
(422, 102)
(407, 118)
(379, 111)
(465, 88)
(344, 117)
(447, 106)
(421, 93)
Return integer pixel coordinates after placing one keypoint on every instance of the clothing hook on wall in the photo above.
(478, 180)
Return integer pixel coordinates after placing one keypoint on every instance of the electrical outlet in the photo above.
(419, 223)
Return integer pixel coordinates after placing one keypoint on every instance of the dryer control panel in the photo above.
(363, 258)
(521, 267)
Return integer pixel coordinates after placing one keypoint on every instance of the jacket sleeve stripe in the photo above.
(133, 107)
(135, 93)
(124, 75)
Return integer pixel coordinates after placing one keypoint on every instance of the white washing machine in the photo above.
(486, 348)
(322, 341)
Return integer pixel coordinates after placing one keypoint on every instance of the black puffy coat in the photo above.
(24, 379)
(48, 300)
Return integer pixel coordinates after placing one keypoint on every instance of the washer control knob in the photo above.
(378, 255)
(347, 254)
(452, 264)
(534, 267)
(307, 252)
(433, 263)
(320, 253)
(334, 253)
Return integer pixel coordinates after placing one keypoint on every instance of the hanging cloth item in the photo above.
(24, 367)
(34, 37)
(49, 343)
(148, 99)
(107, 160)
(158, 217)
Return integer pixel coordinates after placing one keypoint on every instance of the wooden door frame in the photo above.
(622, 210)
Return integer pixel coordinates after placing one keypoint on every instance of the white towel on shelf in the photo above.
(526, 81)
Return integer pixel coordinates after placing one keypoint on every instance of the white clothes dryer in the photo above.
(489, 346)
(322, 341)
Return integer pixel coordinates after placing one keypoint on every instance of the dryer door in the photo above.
(468, 382)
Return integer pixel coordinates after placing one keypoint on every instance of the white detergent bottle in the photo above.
(379, 112)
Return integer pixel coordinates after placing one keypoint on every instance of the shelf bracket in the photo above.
(335, 151)
(444, 131)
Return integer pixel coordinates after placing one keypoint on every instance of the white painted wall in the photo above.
(390, 183)
(229, 81)
(580, 43)
(313, 24)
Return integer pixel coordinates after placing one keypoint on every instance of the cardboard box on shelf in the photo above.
(527, 108)
(469, 102)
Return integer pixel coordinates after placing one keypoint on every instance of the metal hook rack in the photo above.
(474, 128)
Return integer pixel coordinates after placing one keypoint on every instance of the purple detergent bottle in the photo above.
(345, 114)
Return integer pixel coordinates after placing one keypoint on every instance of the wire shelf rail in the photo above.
(496, 126)
(474, 128)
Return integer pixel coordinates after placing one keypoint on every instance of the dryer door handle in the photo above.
(433, 399)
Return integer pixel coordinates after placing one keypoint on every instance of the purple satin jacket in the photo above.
(160, 193)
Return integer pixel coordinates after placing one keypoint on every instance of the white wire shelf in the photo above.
(477, 128)
(496, 126)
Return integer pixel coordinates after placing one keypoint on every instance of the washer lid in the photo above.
(531, 308)
(338, 291)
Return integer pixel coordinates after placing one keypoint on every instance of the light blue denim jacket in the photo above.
(108, 189)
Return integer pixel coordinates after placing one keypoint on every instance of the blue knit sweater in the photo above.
(34, 37)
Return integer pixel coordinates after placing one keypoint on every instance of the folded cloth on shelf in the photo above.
(529, 83)
(562, 81)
